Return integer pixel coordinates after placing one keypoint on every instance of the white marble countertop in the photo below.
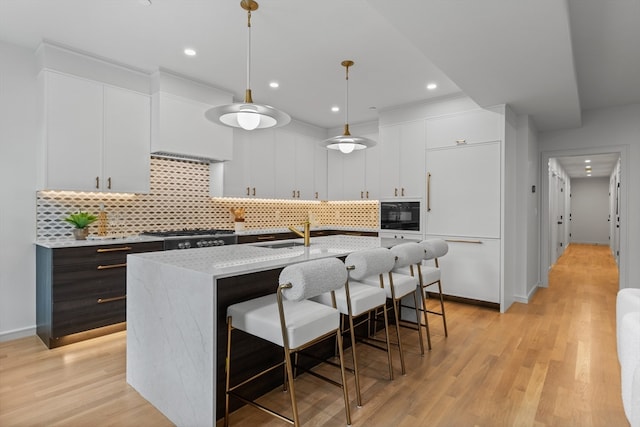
(233, 260)
(253, 231)
(96, 241)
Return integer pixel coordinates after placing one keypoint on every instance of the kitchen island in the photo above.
(176, 308)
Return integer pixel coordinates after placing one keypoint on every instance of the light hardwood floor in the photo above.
(551, 362)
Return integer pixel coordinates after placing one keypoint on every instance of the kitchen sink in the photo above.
(282, 245)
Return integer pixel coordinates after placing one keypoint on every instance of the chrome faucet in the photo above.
(306, 234)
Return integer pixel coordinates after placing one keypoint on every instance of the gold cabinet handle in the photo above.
(254, 191)
(293, 194)
(475, 242)
(402, 192)
(428, 191)
(109, 183)
(103, 300)
(367, 193)
(97, 182)
(362, 194)
(248, 191)
(298, 194)
(316, 194)
(395, 192)
(119, 249)
(107, 267)
(266, 237)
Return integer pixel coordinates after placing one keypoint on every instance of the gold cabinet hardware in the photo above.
(97, 182)
(254, 191)
(107, 267)
(298, 194)
(119, 249)
(109, 183)
(428, 191)
(475, 242)
(367, 193)
(316, 194)
(395, 192)
(104, 300)
(271, 237)
(248, 191)
(362, 194)
(293, 194)
(402, 192)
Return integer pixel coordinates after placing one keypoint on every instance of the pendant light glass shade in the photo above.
(346, 142)
(247, 115)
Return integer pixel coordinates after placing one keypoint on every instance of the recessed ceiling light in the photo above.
(190, 52)
(335, 109)
(587, 161)
(432, 86)
(274, 85)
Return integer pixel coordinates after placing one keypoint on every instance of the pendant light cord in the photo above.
(248, 51)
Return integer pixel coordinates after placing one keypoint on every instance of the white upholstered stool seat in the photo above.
(290, 320)
(305, 320)
(431, 275)
(357, 298)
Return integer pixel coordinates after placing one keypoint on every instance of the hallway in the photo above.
(551, 362)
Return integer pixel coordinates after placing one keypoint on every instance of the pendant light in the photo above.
(247, 115)
(346, 142)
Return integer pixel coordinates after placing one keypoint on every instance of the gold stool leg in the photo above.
(292, 392)
(444, 318)
(386, 333)
(415, 304)
(345, 390)
(424, 312)
(228, 373)
(355, 361)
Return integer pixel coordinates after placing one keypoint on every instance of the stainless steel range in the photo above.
(194, 238)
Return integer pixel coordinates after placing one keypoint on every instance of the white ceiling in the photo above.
(549, 59)
(601, 165)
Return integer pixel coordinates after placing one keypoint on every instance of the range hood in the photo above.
(179, 129)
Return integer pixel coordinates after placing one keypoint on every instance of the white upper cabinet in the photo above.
(179, 126)
(465, 128)
(95, 137)
(252, 172)
(353, 176)
(463, 191)
(295, 166)
(402, 162)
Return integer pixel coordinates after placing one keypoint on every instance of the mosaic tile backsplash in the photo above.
(179, 198)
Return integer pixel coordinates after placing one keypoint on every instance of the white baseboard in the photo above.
(17, 333)
(525, 300)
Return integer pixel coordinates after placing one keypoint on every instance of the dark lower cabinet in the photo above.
(81, 291)
(256, 238)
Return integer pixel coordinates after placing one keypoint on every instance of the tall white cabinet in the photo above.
(463, 200)
(96, 137)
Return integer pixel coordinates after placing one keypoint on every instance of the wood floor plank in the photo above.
(551, 362)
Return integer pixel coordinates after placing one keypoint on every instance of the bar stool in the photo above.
(399, 285)
(434, 249)
(289, 320)
(358, 298)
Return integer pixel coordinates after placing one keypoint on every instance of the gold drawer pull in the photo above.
(103, 300)
(106, 267)
(266, 237)
(103, 250)
(477, 242)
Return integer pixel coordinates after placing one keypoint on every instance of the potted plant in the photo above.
(81, 221)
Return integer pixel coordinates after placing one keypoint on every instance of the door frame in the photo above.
(545, 255)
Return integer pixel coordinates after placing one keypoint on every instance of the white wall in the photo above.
(18, 141)
(590, 210)
(527, 175)
(615, 129)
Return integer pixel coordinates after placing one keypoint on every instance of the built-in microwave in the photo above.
(401, 215)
